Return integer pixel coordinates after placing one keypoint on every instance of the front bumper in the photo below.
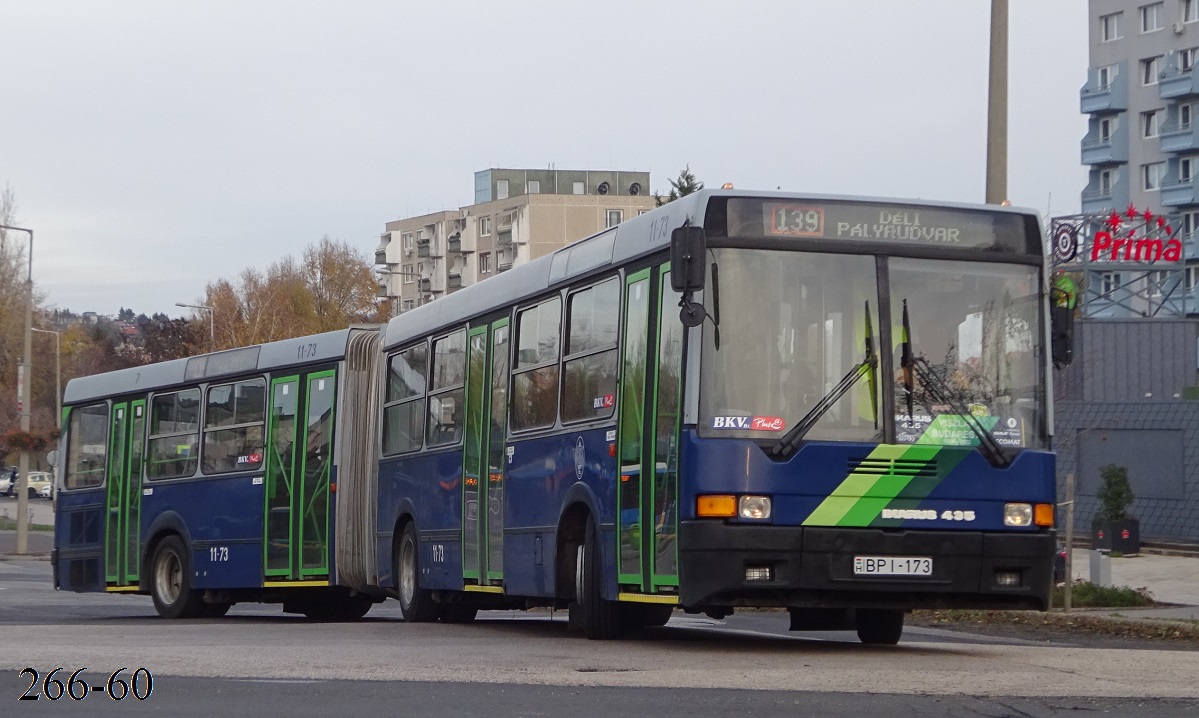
(813, 566)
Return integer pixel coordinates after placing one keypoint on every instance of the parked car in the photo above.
(1059, 564)
(39, 481)
(6, 487)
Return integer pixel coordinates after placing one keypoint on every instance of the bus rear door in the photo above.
(124, 495)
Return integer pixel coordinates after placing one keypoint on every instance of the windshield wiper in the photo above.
(867, 366)
(940, 393)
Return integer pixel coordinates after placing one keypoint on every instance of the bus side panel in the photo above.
(540, 473)
(432, 484)
(223, 515)
(79, 538)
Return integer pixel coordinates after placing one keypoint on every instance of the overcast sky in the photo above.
(156, 146)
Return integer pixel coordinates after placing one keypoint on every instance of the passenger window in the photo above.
(535, 381)
(589, 371)
(87, 449)
(404, 410)
(447, 394)
(234, 419)
(174, 435)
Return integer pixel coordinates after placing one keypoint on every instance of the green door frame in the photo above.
(274, 473)
(496, 483)
(474, 456)
(320, 493)
(668, 578)
(117, 470)
(134, 466)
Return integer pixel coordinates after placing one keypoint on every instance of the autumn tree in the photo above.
(330, 288)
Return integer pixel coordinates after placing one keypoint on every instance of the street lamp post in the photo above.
(24, 379)
(57, 372)
(211, 322)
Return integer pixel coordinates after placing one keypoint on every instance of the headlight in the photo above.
(754, 507)
(1017, 514)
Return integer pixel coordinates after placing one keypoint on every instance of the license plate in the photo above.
(892, 566)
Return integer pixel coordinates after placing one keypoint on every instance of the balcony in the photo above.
(454, 243)
(1099, 199)
(423, 249)
(1098, 97)
(503, 267)
(1178, 192)
(504, 239)
(1175, 84)
(1099, 150)
(454, 281)
(426, 284)
(1176, 137)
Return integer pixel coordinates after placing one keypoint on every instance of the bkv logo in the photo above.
(749, 423)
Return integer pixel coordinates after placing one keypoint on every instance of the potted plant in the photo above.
(1113, 528)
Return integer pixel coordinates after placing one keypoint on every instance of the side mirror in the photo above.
(688, 246)
(1061, 335)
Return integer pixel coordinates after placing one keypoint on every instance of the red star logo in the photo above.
(1113, 221)
(1161, 222)
(1131, 211)
(1148, 216)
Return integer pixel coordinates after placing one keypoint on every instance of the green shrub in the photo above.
(1115, 494)
(1090, 595)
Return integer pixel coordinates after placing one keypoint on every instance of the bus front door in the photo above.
(298, 475)
(124, 495)
(483, 456)
(647, 493)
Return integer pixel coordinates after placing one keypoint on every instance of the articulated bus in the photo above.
(834, 405)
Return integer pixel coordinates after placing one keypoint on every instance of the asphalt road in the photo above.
(512, 663)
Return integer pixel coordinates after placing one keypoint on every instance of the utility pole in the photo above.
(997, 106)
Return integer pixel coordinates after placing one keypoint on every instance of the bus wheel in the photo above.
(171, 587)
(416, 603)
(458, 613)
(879, 626)
(601, 618)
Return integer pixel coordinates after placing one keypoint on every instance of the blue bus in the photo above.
(834, 405)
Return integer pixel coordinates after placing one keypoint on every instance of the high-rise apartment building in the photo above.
(518, 215)
(1142, 149)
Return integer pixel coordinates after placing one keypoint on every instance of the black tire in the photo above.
(216, 610)
(601, 618)
(645, 615)
(416, 603)
(458, 613)
(170, 582)
(879, 626)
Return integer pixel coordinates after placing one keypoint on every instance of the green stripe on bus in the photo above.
(849, 492)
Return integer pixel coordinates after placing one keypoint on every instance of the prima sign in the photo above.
(1107, 247)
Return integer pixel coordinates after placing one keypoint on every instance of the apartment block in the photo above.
(518, 215)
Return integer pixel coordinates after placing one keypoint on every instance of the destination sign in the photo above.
(877, 222)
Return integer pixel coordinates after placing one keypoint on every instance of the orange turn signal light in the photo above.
(1043, 514)
(718, 506)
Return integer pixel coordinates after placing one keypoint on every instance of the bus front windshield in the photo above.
(797, 328)
(793, 325)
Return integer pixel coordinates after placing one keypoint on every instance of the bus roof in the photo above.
(629, 240)
(315, 348)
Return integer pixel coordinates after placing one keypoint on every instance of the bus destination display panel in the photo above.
(876, 222)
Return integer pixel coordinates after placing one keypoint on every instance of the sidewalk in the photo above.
(1169, 579)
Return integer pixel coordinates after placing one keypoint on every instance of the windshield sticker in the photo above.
(749, 423)
(606, 401)
(251, 459)
(954, 430)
